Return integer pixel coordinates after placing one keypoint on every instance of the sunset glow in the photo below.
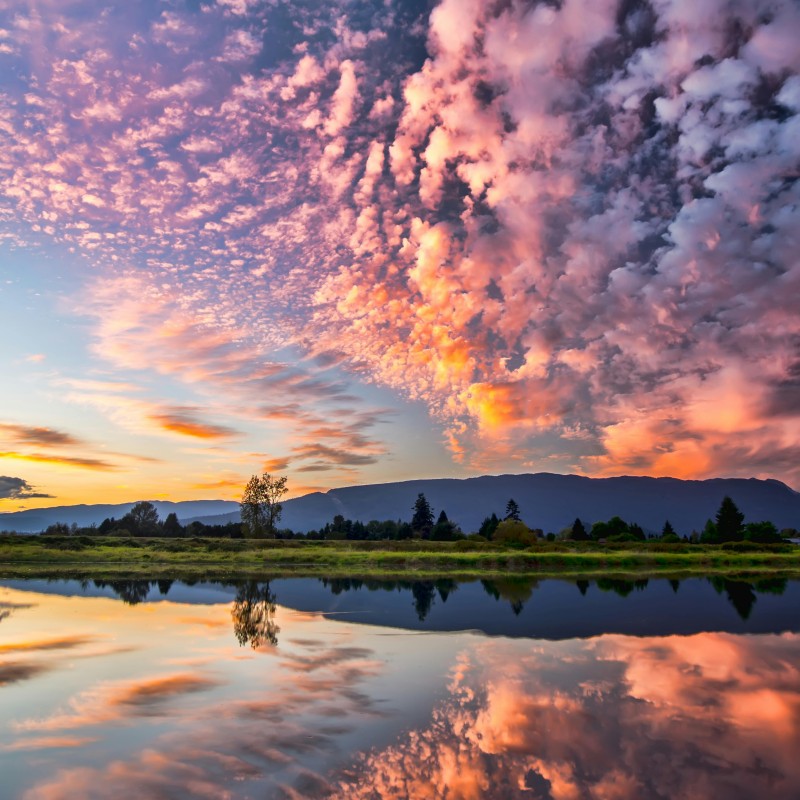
(360, 242)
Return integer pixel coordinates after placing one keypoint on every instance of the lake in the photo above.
(306, 688)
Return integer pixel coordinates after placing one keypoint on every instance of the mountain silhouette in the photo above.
(546, 501)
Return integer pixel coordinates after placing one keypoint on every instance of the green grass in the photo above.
(52, 556)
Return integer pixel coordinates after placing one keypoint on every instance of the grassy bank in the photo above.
(44, 556)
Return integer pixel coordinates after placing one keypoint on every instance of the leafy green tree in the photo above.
(422, 521)
(762, 532)
(57, 529)
(261, 505)
(729, 521)
(142, 520)
(512, 510)
(710, 534)
(510, 531)
(605, 530)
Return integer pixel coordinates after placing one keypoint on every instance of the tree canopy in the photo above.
(142, 520)
(261, 505)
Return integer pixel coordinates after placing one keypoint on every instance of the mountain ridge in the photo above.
(547, 500)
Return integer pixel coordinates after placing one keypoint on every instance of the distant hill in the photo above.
(37, 519)
(546, 501)
(550, 502)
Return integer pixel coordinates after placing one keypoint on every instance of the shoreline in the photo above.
(51, 557)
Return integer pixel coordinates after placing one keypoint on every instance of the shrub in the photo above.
(511, 531)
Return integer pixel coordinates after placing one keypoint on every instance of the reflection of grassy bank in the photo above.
(57, 556)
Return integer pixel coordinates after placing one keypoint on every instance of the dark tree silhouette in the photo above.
(489, 526)
(444, 530)
(253, 615)
(729, 521)
(142, 520)
(740, 594)
(422, 521)
(424, 594)
(668, 530)
(579, 533)
(171, 525)
(130, 592)
(512, 510)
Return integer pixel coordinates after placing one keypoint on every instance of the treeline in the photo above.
(728, 526)
(143, 520)
(254, 605)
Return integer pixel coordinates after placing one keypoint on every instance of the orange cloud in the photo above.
(66, 461)
(44, 437)
(183, 421)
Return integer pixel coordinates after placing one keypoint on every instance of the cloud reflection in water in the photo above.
(344, 711)
(711, 715)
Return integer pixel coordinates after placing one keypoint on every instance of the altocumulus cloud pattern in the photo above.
(570, 229)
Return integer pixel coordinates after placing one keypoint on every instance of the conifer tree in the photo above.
(512, 510)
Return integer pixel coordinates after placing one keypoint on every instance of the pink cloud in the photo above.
(563, 218)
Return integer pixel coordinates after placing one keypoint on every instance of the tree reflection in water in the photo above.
(130, 592)
(254, 608)
(516, 590)
(253, 614)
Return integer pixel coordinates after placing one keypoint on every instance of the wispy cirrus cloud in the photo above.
(185, 422)
(59, 460)
(41, 436)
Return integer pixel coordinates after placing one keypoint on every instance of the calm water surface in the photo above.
(308, 688)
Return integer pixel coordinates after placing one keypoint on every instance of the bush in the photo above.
(511, 531)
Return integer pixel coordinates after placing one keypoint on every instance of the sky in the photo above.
(358, 242)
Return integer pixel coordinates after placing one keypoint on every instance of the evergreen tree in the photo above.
(512, 510)
(668, 530)
(172, 527)
(636, 531)
(489, 526)
(443, 530)
(579, 533)
(422, 521)
(729, 521)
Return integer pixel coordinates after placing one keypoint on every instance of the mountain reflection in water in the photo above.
(276, 689)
